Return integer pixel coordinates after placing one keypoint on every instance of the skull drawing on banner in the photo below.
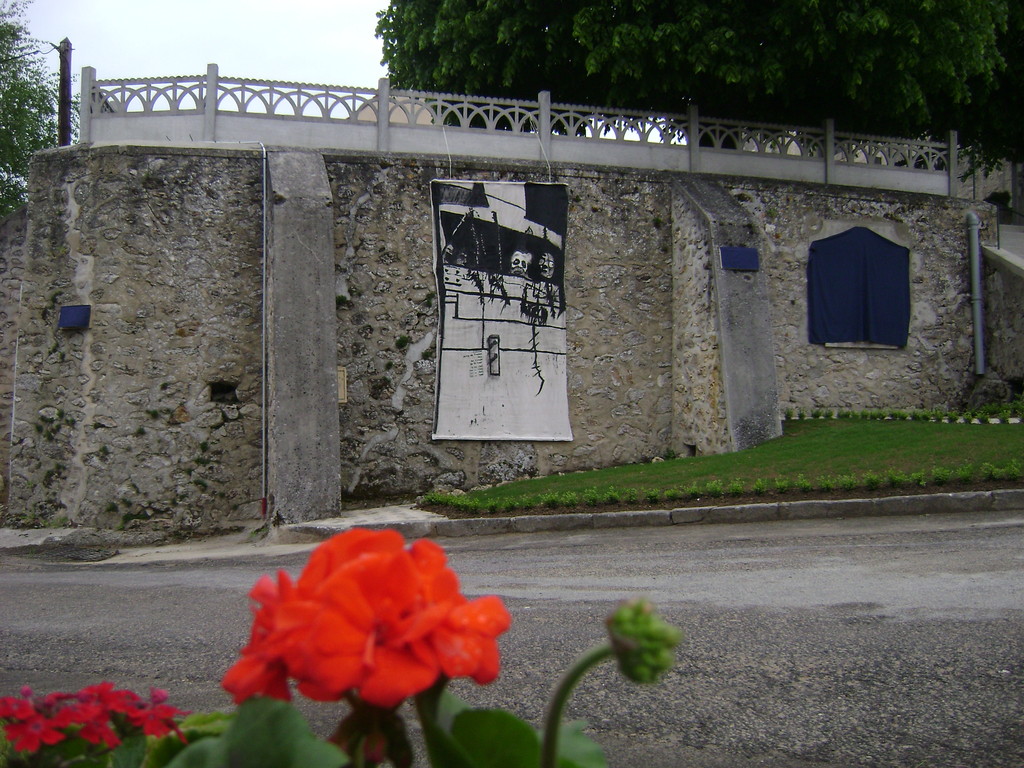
(547, 265)
(521, 261)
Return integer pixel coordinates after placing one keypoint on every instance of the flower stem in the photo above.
(553, 721)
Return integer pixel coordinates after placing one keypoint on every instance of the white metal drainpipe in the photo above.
(263, 348)
(974, 250)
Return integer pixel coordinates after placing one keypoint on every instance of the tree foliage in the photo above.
(28, 95)
(905, 67)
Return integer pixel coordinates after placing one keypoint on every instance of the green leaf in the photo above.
(449, 706)
(130, 753)
(437, 709)
(209, 753)
(442, 749)
(267, 733)
(195, 727)
(577, 750)
(494, 738)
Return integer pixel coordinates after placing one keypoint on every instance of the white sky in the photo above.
(330, 42)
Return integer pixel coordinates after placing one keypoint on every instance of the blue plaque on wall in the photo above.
(735, 257)
(74, 317)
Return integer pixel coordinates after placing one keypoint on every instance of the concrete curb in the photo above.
(439, 527)
(90, 545)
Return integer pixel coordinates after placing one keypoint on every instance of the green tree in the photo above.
(28, 96)
(904, 67)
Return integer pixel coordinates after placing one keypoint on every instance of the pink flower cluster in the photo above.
(98, 714)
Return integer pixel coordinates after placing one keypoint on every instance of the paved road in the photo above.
(864, 642)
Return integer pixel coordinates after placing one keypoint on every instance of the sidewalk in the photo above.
(92, 545)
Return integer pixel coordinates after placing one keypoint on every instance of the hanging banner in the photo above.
(499, 258)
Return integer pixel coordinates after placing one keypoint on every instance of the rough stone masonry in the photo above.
(155, 416)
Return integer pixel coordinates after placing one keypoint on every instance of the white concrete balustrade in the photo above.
(182, 110)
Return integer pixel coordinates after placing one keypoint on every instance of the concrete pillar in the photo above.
(830, 151)
(744, 328)
(303, 438)
(693, 138)
(85, 105)
(383, 114)
(544, 128)
(210, 103)
(953, 163)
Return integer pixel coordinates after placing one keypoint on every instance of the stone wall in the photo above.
(153, 416)
(12, 264)
(1003, 303)
(618, 280)
(153, 413)
(699, 415)
(934, 370)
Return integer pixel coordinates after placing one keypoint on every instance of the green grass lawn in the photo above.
(824, 455)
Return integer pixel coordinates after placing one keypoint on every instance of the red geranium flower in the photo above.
(105, 695)
(32, 732)
(156, 720)
(371, 616)
(12, 708)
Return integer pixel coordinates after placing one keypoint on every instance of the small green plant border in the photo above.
(592, 498)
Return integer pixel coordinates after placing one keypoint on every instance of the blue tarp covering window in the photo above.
(858, 289)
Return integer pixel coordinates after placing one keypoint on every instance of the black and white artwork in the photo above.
(499, 257)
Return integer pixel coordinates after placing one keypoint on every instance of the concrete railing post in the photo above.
(953, 164)
(830, 151)
(383, 114)
(693, 138)
(544, 128)
(85, 105)
(210, 103)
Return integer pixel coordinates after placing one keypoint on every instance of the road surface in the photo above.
(862, 642)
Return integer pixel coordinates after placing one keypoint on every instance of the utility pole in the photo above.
(64, 94)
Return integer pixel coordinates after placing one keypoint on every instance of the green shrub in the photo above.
(803, 484)
(735, 487)
(964, 473)
(436, 498)
(611, 495)
(551, 500)
(714, 488)
(897, 478)
(569, 499)
(782, 485)
(847, 482)
(761, 486)
(871, 480)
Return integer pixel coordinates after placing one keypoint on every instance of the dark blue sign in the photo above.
(735, 257)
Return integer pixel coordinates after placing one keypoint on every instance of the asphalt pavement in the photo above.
(863, 642)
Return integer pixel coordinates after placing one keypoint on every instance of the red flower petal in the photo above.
(395, 676)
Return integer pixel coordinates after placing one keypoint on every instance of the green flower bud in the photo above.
(643, 642)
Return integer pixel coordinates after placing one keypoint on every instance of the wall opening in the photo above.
(223, 392)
